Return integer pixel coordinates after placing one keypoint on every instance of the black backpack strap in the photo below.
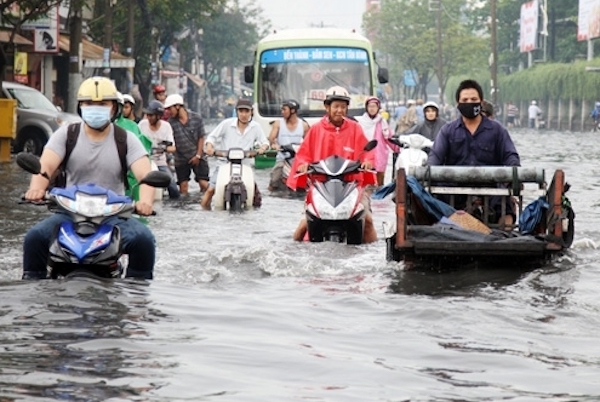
(121, 141)
(72, 135)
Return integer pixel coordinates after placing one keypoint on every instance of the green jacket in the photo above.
(131, 125)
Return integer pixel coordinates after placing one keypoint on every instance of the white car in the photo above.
(37, 117)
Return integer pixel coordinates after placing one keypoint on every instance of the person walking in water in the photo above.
(534, 113)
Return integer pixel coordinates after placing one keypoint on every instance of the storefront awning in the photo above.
(17, 39)
(93, 54)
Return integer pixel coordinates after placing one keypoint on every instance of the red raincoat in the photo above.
(324, 140)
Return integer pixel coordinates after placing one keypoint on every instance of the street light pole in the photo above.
(75, 62)
(436, 5)
(440, 71)
(108, 20)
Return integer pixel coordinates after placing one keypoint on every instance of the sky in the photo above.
(302, 13)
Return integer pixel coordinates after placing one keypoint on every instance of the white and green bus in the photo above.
(302, 64)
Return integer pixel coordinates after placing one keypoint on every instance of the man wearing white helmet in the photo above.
(334, 134)
(189, 135)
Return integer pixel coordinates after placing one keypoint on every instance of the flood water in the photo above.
(239, 312)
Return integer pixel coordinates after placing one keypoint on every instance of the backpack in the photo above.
(59, 178)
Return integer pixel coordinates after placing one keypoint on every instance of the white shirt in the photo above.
(534, 110)
(227, 135)
(164, 133)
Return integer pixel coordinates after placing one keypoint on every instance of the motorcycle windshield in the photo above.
(335, 166)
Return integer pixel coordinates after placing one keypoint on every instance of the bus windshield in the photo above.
(304, 74)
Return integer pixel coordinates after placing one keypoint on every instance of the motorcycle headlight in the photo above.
(340, 212)
(88, 205)
(236, 154)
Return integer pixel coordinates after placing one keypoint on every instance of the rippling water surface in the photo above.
(239, 312)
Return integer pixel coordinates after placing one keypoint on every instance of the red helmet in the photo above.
(373, 99)
(158, 88)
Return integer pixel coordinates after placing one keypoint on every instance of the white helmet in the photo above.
(431, 104)
(128, 98)
(533, 102)
(172, 100)
(336, 93)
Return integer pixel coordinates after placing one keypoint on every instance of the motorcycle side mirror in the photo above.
(370, 145)
(30, 163)
(157, 178)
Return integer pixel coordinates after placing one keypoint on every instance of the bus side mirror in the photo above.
(249, 74)
(383, 75)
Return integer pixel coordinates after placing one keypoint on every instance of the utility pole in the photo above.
(436, 5)
(108, 18)
(130, 38)
(75, 26)
(494, 63)
(440, 72)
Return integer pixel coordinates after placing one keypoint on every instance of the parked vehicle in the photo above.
(37, 117)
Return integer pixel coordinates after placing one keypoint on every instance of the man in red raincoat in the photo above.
(335, 134)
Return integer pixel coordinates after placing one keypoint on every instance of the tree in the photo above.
(13, 14)
(406, 31)
(230, 38)
(158, 22)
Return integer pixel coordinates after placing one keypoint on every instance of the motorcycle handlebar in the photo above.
(221, 153)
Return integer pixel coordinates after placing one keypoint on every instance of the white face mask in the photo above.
(96, 117)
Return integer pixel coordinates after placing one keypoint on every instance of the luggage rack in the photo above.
(509, 183)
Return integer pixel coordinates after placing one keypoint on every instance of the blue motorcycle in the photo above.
(87, 244)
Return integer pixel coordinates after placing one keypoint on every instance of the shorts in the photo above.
(201, 172)
(510, 119)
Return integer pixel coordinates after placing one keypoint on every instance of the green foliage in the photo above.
(552, 81)
(29, 10)
(406, 31)
(235, 30)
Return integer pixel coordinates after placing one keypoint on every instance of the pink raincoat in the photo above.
(377, 128)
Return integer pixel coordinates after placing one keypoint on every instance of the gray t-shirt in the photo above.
(96, 161)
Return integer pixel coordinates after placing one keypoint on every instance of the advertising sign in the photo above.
(588, 26)
(20, 67)
(45, 33)
(529, 26)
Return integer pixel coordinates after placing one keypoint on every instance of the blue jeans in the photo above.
(136, 240)
(172, 189)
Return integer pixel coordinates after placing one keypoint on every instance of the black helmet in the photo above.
(154, 107)
(292, 104)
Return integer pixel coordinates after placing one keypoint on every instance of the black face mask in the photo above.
(469, 110)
